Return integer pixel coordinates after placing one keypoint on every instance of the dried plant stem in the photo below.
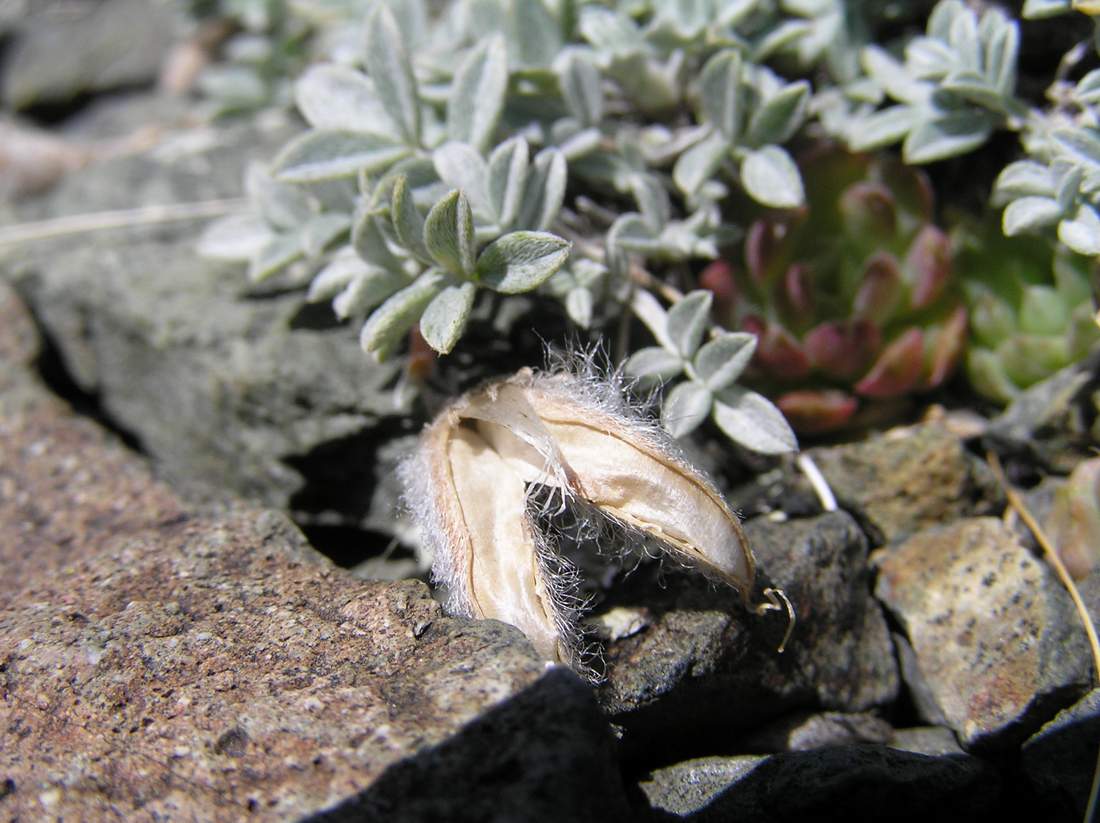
(818, 482)
(123, 218)
(1021, 509)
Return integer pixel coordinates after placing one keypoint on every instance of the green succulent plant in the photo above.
(1031, 310)
(851, 297)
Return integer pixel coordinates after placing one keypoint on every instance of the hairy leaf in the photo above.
(445, 318)
(685, 407)
(391, 70)
(521, 261)
(771, 177)
(477, 94)
(688, 321)
(751, 420)
(328, 155)
(449, 234)
(388, 323)
(720, 362)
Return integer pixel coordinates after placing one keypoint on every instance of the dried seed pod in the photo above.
(469, 482)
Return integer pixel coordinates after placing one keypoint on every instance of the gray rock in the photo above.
(934, 741)
(1061, 758)
(162, 662)
(704, 671)
(60, 50)
(225, 389)
(901, 482)
(851, 783)
(803, 732)
(994, 635)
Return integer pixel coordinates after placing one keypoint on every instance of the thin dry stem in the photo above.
(123, 218)
(818, 482)
(1018, 505)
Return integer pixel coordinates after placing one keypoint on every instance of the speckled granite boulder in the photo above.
(159, 661)
(998, 645)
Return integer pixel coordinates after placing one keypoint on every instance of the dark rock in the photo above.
(1061, 758)
(61, 50)
(851, 783)
(704, 671)
(160, 661)
(223, 388)
(995, 636)
(906, 480)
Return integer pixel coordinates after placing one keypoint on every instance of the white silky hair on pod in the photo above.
(572, 431)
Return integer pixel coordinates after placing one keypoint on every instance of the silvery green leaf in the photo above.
(366, 291)
(449, 234)
(508, 179)
(1081, 142)
(1069, 186)
(336, 98)
(632, 233)
(699, 163)
(652, 199)
(963, 38)
(611, 32)
(282, 206)
(544, 192)
(589, 273)
(369, 241)
(947, 135)
(1036, 9)
(322, 230)
(1082, 233)
(276, 255)
(237, 237)
(344, 267)
(647, 309)
(892, 76)
(578, 305)
(580, 144)
(1023, 178)
(771, 177)
(461, 167)
(1001, 56)
(779, 117)
(751, 420)
(407, 223)
(1087, 90)
(719, 92)
(521, 261)
(685, 407)
(653, 364)
(1030, 213)
(534, 33)
(882, 128)
(477, 94)
(780, 37)
(721, 361)
(581, 86)
(973, 87)
(327, 155)
(389, 322)
(411, 17)
(391, 70)
(688, 321)
(446, 316)
(941, 18)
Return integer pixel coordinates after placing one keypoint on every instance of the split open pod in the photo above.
(470, 479)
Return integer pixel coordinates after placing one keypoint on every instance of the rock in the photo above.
(227, 390)
(166, 662)
(853, 783)
(934, 741)
(703, 672)
(903, 481)
(1060, 759)
(61, 50)
(994, 635)
(803, 732)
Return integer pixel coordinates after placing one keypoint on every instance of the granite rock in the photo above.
(997, 642)
(906, 480)
(703, 672)
(166, 661)
(851, 783)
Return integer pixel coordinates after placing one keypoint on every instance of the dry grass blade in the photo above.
(1064, 576)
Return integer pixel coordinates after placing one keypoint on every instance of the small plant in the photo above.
(852, 297)
(1030, 309)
